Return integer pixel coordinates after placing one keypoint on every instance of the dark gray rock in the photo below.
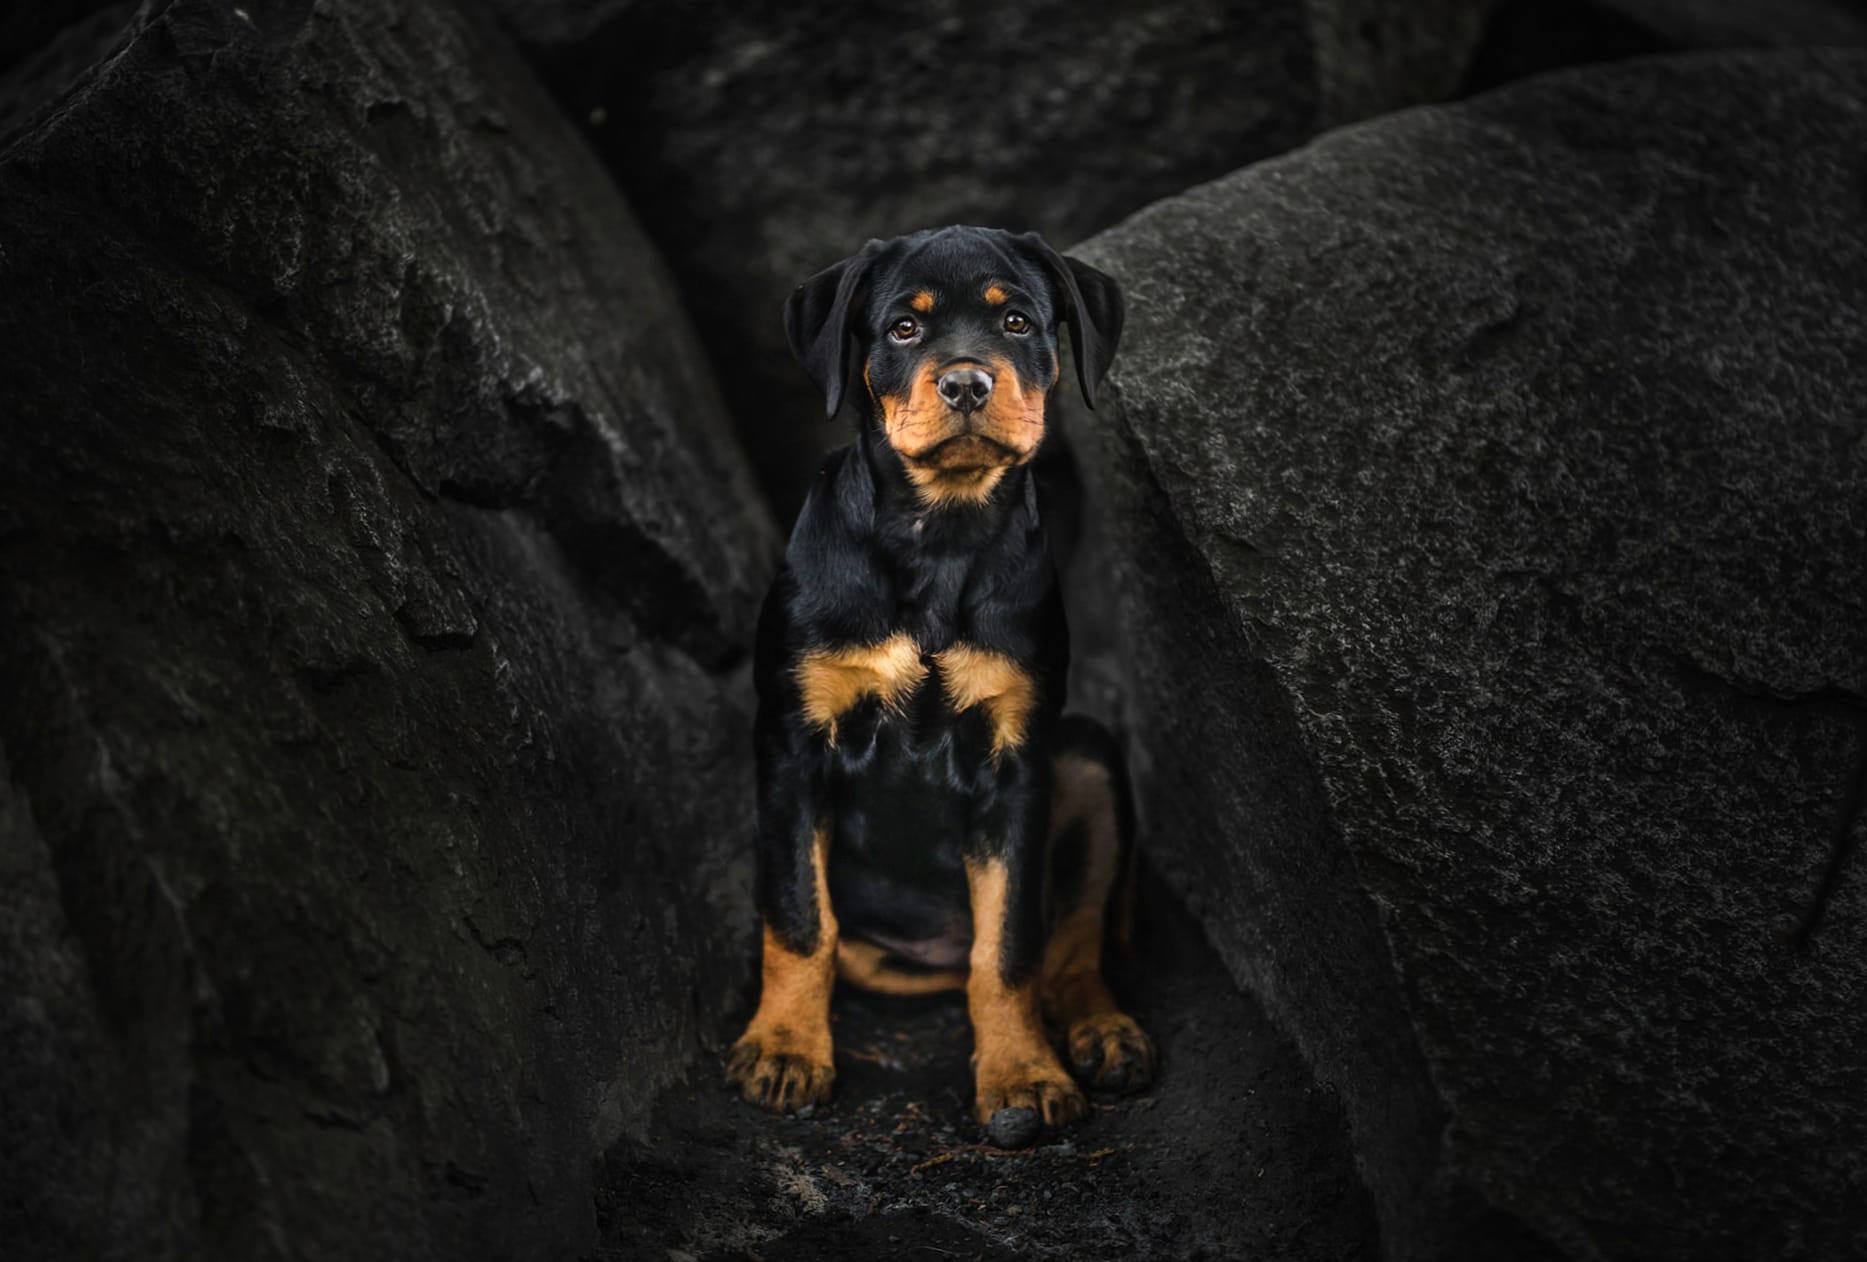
(761, 143)
(1014, 1128)
(1526, 37)
(1482, 498)
(374, 571)
(1747, 23)
(25, 29)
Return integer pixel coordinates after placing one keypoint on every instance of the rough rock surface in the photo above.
(763, 142)
(373, 558)
(1485, 509)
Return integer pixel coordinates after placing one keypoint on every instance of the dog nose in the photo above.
(965, 388)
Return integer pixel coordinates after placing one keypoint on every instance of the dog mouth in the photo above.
(966, 451)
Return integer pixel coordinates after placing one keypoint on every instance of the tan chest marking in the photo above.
(834, 681)
(979, 677)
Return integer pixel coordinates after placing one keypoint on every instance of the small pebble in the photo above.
(1013, 1128)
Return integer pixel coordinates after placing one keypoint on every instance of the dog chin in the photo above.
(966, 451)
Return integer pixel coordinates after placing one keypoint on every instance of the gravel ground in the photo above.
(1236, 1153)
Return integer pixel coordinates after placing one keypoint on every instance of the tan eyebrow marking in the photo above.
(923, 301)
(996, 294)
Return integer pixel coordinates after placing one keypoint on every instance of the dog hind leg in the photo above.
(1092, 874)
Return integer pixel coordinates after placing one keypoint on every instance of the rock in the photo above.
(1526, 37)
(1480, 499)
(1746, 23)
(376, 566)
(761, 144)
(1014, 1128)
(27, 28)
(44, 47)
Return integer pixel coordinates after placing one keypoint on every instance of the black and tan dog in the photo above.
(927, 819)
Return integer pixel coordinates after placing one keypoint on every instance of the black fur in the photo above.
(909, 796)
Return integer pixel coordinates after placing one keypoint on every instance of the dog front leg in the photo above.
(783, 1060)
(1018, 1080)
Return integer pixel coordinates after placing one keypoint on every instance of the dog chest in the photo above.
(888, 676)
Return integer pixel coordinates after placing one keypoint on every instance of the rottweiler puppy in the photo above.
(927, 818)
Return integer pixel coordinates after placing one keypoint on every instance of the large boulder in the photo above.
(763, 142)
(375, 570)
(1481, 496)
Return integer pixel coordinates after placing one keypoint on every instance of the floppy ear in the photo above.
(816, 320)
(1094, 312)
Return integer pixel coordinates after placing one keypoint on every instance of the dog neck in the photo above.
(903, 504)
(869, 558)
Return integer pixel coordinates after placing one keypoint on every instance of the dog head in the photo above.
(954, 335)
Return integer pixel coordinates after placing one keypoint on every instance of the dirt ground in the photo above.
(1234, 1153)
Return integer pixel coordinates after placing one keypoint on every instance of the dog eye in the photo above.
(904, 329)
(1017, 322)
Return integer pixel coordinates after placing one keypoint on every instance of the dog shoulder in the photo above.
(830, 591)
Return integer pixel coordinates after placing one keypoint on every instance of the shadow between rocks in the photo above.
(1236, 1152)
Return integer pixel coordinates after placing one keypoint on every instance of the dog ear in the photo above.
(816, 320)
(1095, 312)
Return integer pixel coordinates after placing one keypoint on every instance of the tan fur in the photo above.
(938, 488)
(783, 1060)
(979, 677)
(923, 301)
(996, 295)
(919, 421)
(866, 965)
(833, 681)
(1004, 434)
(1014, 1066)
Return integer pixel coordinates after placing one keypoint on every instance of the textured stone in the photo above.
(1482, 509)
(374, 564)
(761, 143)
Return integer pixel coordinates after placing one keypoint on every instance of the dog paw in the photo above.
(777, 1070)
(1044, 1092)
(1109, 1052)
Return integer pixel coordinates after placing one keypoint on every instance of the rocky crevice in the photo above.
(1832, 701)
(379, 564)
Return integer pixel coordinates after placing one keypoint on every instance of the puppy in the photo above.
(927, 819)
